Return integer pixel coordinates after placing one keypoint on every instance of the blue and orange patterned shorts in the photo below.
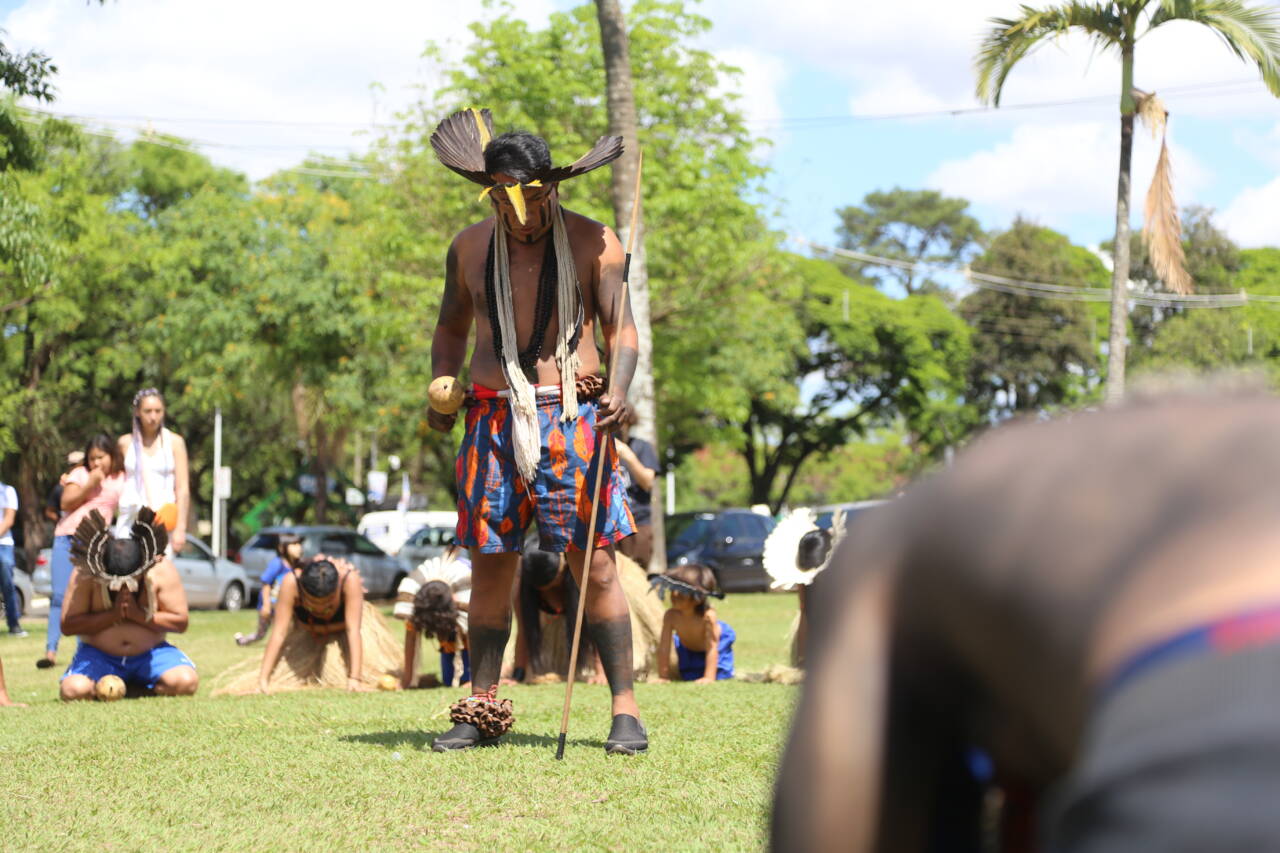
(495, 504)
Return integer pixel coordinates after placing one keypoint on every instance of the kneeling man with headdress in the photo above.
(123, 598)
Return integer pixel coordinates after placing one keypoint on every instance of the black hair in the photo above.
(520, 154)
(319, 578)
(699, 576)
(434, 610)
(123, 557)
(813, 549)
(107, 445)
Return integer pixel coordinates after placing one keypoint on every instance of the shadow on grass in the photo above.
(418, 739)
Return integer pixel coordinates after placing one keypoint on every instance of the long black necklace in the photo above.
(547, 280)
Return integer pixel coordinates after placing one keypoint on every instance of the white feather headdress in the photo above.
(780, 548)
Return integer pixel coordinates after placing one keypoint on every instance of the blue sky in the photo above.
(299, 73)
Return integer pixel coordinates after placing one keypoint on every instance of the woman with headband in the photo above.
(155, 467)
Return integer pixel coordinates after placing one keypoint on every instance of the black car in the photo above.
(730, 542)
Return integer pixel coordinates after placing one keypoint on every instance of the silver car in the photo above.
(426, 543)
(380, 571)
(210, 584)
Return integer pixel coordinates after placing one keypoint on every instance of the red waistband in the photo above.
(483, 392)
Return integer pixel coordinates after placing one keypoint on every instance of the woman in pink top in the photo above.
(95, 485)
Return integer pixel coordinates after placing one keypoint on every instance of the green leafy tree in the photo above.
(1251, 32)
(1030, 352)
(884, 361)
(915, 226)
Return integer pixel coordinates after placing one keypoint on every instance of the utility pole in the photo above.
(218, 521)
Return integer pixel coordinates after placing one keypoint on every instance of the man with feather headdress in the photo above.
(123, 598)
(535, 280)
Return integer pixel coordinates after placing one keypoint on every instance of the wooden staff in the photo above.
(595, 495)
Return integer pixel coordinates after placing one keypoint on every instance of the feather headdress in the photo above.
(459, 141)
(112, 563)
(442, 568)
(782, 547)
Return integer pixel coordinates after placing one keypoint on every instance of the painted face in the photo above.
(150, 413)
(539, 202)
(101, 460)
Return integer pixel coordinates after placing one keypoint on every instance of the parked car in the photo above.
(388, 529)
(729, 542)
(22, 586)
(426, 543)
(381, 572)
(210, 584)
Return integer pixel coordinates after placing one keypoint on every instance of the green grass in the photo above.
(331, 770)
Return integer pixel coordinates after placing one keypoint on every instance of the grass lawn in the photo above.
(334, 771)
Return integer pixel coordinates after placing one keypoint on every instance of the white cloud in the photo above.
(1054, 172)
(306, 64)
(1251, 218)
(758, 88)
(920, 52)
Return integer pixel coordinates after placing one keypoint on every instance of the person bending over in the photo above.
(123, 598)
(433, 600)
(324, 633)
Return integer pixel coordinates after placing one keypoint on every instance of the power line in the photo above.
(1048, 290)
(1191, 90)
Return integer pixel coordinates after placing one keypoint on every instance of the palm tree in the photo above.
(1252, 33)
(620, 98)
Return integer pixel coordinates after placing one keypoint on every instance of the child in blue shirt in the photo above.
(288, 557)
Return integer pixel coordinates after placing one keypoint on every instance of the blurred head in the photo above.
(813, 549)
(515, 159)
(701, 578)
(103, 453)
(434, 610)
(123, 557)
(74, 458)
(148, 411)
(289, 547)
(318, 587)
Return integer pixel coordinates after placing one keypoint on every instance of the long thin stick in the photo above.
(595, 495)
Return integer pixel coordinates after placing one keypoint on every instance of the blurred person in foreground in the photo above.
(124, 597)
(1094, 604)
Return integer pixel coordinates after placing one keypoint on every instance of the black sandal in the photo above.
(626, 736)
(45, 663)
(461, 736)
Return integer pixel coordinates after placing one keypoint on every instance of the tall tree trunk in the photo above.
(624, 122)
(1117, 338)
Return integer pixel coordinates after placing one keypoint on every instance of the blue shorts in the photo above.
(495, 505)
(693, 665)
(142, 670)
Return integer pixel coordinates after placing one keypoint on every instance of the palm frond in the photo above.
(1010, 39)
(1251, 32)
(1150, 111)
(1163, 228)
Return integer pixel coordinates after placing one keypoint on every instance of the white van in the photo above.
(388, 529)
